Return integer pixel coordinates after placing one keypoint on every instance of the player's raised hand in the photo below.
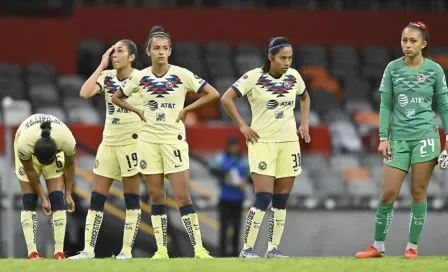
(141, 114)
(46, 206)
(106, 57)
(384, 149)
(304, 133)
(70, 203)
(250, 134)
(182, 116)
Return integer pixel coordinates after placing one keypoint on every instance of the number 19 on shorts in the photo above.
(425, 146)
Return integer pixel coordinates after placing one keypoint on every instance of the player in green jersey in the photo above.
(412, 138)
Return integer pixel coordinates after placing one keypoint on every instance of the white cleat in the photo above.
(82, 256)
(123, 256)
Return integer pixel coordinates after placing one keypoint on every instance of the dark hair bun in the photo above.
(46, 129)
(155, 29)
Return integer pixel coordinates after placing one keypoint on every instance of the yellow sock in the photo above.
(191, 224)
(92, 228)
(59, 223)
(277, 220)
(160, 226)
(253, 224)
(131, 225)
(29, 226)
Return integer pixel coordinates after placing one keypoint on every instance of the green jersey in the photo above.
(412, 92)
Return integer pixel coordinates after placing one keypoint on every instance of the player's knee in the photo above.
(262, 200)
(279, 201)
(418, 193)
(132, 201)
(29, 202)
(157, 197)
(182, 198)
(187, 209)
(57, 201)
(97, 202)
(388, 197)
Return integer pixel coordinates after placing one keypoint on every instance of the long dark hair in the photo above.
(425, 36)
(45, 149)
(274, 45)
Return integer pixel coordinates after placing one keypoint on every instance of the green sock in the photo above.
(417, 220)
(384, 214)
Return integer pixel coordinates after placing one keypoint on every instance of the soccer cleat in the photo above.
(411, 254)
(274, 253)
(248, 253)
(34, 256)
(370, 252)
(60, 256)
(160, 255)
(123, 256)
(82, 256)
(201, 253)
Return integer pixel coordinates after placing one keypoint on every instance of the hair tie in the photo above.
(160, 34)
(418, 24)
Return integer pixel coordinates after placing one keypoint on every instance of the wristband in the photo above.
(446, 138)
(385, 139)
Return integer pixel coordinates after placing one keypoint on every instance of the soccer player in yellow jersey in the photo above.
(117, 156)
(45, 146)
(273, 143)
(162, 146)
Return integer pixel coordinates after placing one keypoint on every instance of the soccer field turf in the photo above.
(239, 265)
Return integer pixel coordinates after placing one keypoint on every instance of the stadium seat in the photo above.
(245, 63)
(344, 61)
(70, 85)
(44, 95)
(314, 119)
(323, 101)
(12, 87)
(89, 56)
(10, 71)
(248, 50)
(303, 185)
(353, 105)
(222, 84)
(344, 137)
(312, 55)
(218, 50)
(40, 73)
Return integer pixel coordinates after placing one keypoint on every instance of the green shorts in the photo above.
(407, 153)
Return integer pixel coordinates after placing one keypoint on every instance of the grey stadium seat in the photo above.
(222, 84)
(39, 73)
(248, 49)
(310, 55)
(344, 137)
(339, 162)
(217, 49)
(12, 88)
(186, 49)
(44, 95)
(324, 101)
(70, 85)
(246, 63)
(303, 185)
(10, 71)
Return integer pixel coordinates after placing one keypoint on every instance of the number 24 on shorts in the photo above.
(425, 144)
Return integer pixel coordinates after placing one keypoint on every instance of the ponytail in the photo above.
(46, 129)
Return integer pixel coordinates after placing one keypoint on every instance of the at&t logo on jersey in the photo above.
(403, 100)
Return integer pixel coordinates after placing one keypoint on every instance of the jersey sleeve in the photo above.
(130, 86)
(100, 80)
(386, 82)
(246, 83)
(301, 87)
(193, 83)
(68, 145)
(440, 84)
(24, 151)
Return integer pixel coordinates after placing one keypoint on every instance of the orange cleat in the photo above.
(411, 254)
(370, 252)
(60, 256)
(34, 256)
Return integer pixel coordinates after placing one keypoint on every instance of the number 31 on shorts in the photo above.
(426, 145)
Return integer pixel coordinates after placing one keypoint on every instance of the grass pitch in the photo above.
(301, 264)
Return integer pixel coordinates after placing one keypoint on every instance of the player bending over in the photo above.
(163, 149)
(274, 151)
(117, 156)
(409, 84)
(43, 145)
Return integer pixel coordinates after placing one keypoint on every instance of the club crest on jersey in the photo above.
(279, 89)
(160, 88)
(421, 78)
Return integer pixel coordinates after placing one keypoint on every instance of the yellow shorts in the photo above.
(116, 162)
(54, 170)
(278, 160)
(163, 158)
